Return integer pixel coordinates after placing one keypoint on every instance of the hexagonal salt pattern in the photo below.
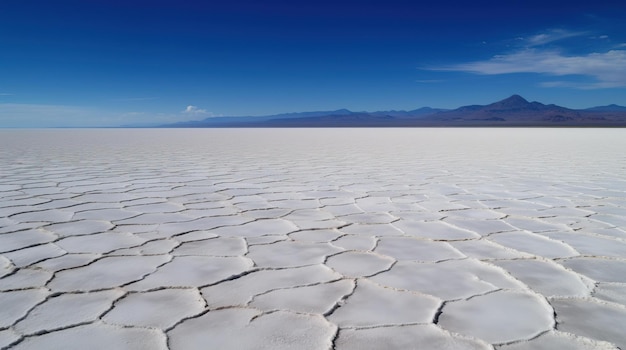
(425, 336)
(249, 329)
(373, 305)
(499, 317)
(359, 264)
(96, 336)
(317, 299)
(312, 239)
(601, 321)
(559, 340)
(547, 278)
(160, 309)
(67, 310)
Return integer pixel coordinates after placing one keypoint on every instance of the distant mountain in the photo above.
(609, 108)
(517, 111)
(340, 117)
(424, 111)
(235, 121)
(514, 111)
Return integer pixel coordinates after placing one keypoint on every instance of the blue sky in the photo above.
(110, 62)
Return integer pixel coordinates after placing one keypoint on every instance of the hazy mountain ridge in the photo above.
(514, 111)
(609, 108)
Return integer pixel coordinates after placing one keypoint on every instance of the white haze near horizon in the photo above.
(448, 148)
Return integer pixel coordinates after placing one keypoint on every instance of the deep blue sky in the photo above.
(110, 62)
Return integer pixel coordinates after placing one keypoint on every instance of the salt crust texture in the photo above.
(505, 239)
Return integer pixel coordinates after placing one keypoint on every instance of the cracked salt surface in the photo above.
(600, 321)
(448, 280)
(317, 299)
(250, 329)
(409, 248)
(159, 309)
(97, 336)
(426, 238)
(547, 278)
(505, 316)
(359, 264)
(557, 340)
(425, 336)
(53, 315)
(373, 305)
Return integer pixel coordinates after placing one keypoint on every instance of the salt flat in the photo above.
(313, 239)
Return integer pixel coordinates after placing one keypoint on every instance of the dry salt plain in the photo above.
(313, 239)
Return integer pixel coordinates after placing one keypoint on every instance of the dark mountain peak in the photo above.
(342, 111)
(515, 98)
(513, 102)
(425, 109)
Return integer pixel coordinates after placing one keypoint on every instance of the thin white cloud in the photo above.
(5, 94)
(195, 110)
(607, 68)
(551, 36)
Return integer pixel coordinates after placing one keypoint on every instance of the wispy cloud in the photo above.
(5, 94)
(194, 110)
(608, 69)
(605, 68)
(551, 36)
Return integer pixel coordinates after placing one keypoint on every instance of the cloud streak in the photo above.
(194, 110)
(551, 36)
(608, 69)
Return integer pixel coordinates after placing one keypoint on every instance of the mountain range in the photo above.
(514, 111)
